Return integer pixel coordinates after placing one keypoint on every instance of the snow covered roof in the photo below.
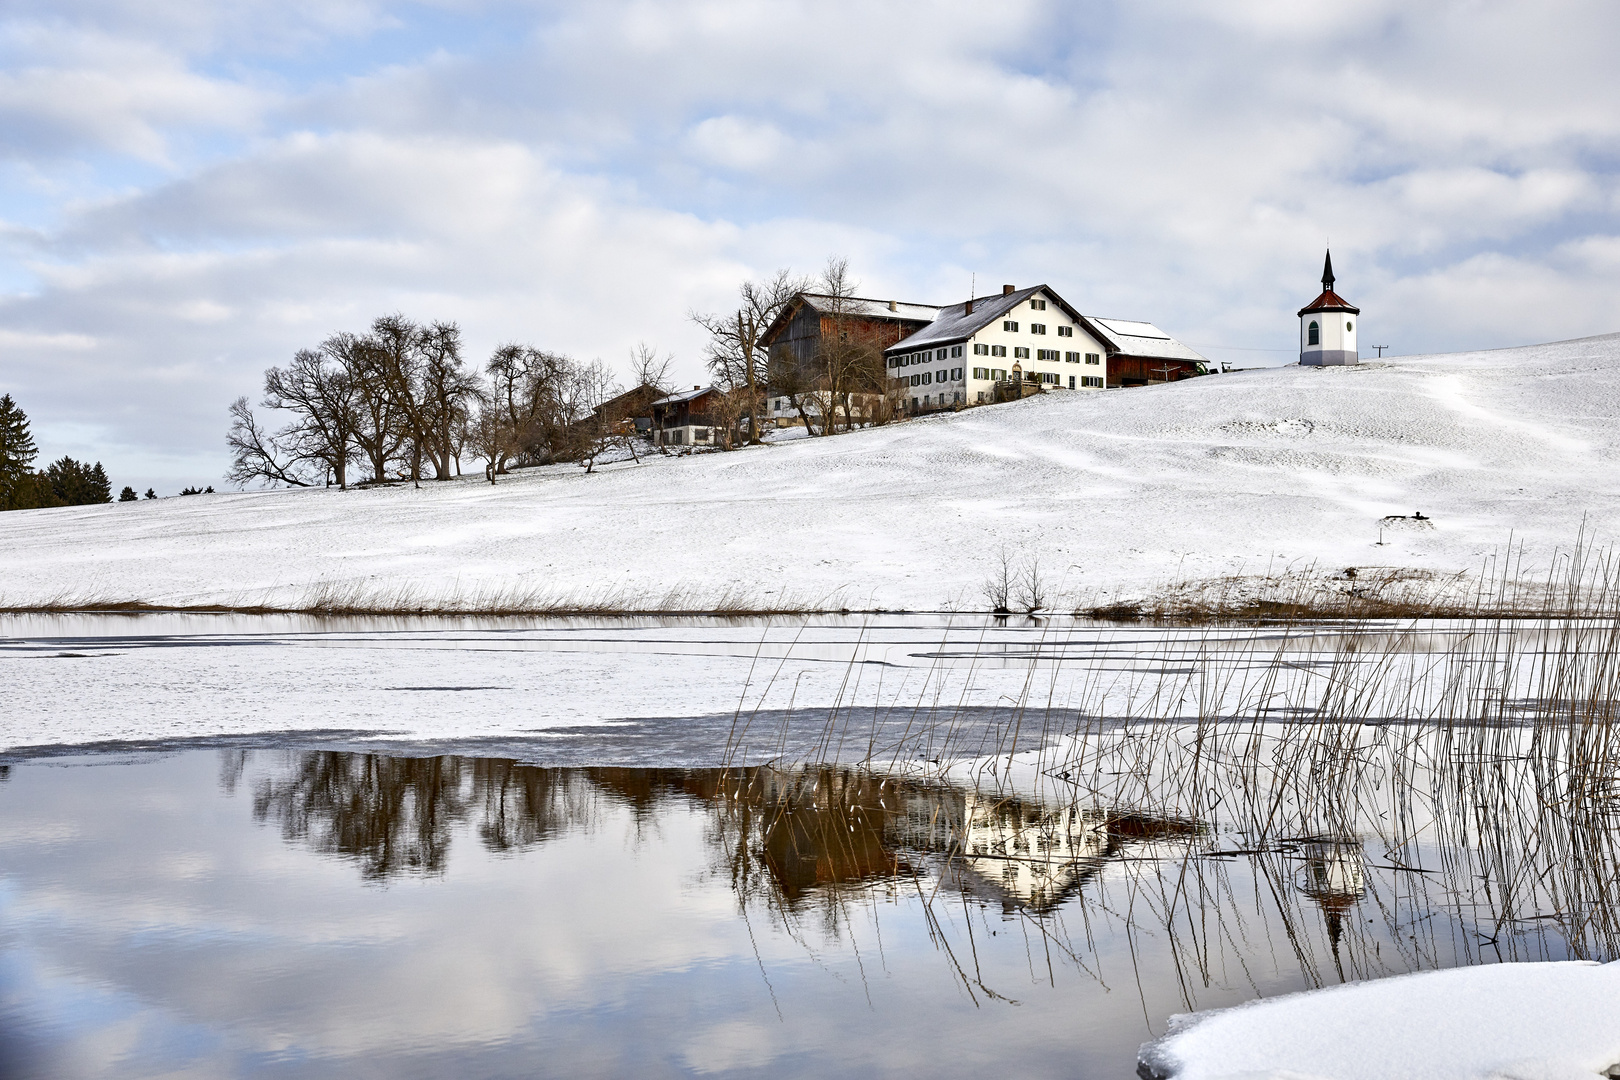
(684, 395)
(955, 323)
(871, 309)
(1134, 338)
(1330, 301)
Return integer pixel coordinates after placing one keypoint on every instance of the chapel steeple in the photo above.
(1327, 333)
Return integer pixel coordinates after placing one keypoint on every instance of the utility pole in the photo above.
(1380, 349)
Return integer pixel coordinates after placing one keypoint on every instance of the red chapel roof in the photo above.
(1330, 301)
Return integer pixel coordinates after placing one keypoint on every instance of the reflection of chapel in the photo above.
(1327, 326)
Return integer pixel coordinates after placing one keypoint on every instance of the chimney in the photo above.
(1007, 290)
(969, 310)
(697, 387)
(894, 305)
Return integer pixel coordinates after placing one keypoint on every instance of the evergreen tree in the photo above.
(17, 453)
(150, 493)
(128, 494)
(97, 486)
(76, 484)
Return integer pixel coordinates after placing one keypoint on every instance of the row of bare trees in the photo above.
(400, 399)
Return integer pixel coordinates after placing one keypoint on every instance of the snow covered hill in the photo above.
(1116, 495)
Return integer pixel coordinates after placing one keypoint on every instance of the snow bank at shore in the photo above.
(1555, 1021)
(1116, 495)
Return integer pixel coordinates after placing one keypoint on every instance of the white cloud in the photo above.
(66, 91)
(735, 143)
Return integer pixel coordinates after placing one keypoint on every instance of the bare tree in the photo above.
(648, 369)
(490, 436)
(847, 365)
(599, 428)
(323, 400)
(395, 350)
(377, 429)
(735, 355)
(790, 378)
(254, 452)
(447, 391)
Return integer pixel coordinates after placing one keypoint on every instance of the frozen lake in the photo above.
(627, 691)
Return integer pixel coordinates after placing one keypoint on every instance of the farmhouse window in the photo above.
(956, 373)
(1090, 380)
(998, 350)
(1071, 358)
(928, 377)
(1048, 377)
(1037, 305)
(1093, 358)
(1071, 382)
(1037, 328)
(1000, 374)
(1020, 352)
(1065, 331)
(1046, 354)
(981, 350)
(916, 380)
(956, 351)
(981, 373)
(1011, 325)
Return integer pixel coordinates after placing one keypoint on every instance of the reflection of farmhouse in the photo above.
(1023, 855)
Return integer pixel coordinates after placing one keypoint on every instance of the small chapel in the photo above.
(1327, 326)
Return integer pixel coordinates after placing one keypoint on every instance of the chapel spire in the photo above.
(1327, 272)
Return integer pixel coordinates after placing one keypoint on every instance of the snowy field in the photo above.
(1116, 495)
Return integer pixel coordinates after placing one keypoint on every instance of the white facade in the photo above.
(1036, 334)
(1334, 337)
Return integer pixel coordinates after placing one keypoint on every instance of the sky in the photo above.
(191, 191)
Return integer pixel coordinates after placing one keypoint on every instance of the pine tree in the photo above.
(77, 484)
(97, 488)
(151, 493)
(17, 453)
(128, 494)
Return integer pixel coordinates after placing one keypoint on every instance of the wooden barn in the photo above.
(1140, 353)
(809, 317)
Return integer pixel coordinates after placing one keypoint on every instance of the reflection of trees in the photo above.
(391, 813)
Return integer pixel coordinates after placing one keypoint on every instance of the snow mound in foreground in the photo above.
(1501, 1022)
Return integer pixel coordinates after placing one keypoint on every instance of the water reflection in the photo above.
(812, 920)
(800, 833)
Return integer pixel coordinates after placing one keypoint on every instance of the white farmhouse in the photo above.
(1032, 333)
(1327, 326)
